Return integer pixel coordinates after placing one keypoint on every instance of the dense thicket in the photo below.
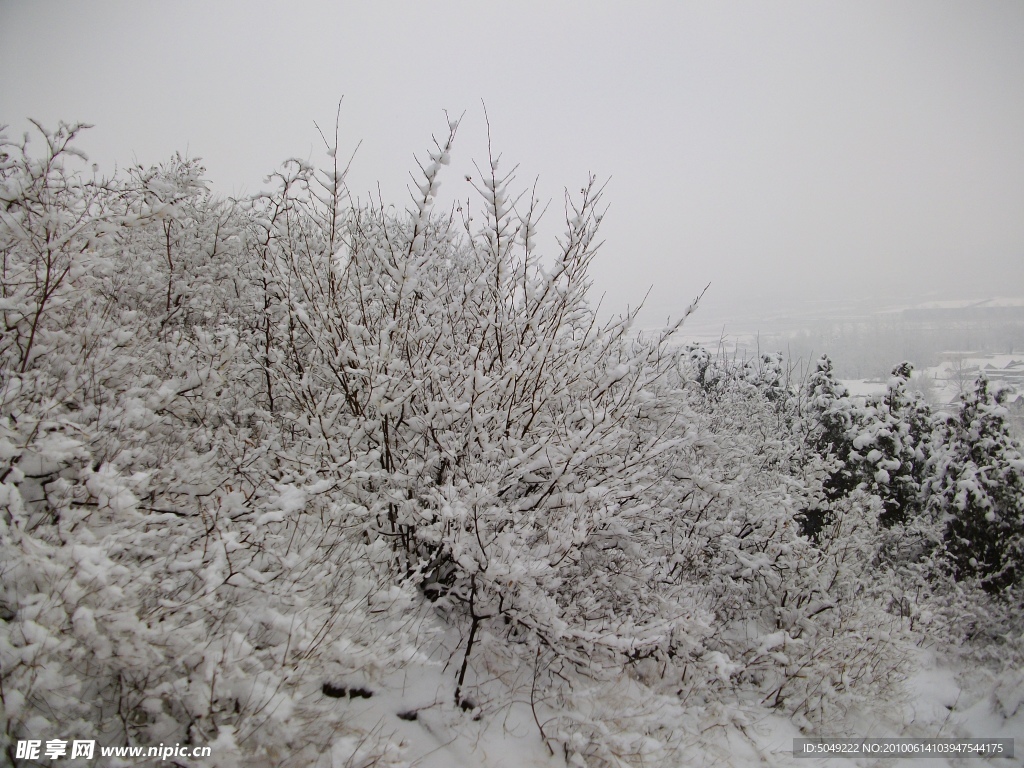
(248, 448)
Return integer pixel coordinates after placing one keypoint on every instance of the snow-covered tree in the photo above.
(829, 416)
(978, 493)
(466, 395)
(890, 448)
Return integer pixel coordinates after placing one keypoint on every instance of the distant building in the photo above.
(1011, 373)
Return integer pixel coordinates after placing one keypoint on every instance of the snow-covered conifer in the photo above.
(978, 493)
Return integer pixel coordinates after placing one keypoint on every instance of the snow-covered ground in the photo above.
(414, 711)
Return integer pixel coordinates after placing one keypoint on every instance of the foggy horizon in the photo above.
(788, 155)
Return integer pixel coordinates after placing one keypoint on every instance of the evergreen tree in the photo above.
(831, 416)
(890, 447)
(978, 492)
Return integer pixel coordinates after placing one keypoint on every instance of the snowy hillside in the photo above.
(317, 484)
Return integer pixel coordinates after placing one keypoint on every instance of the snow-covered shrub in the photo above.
(464, 393)
(50, 217)
(138, 627)
(165, 572)
(797, 620)
(977, 493)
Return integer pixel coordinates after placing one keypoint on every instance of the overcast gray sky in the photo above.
(780, 151)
